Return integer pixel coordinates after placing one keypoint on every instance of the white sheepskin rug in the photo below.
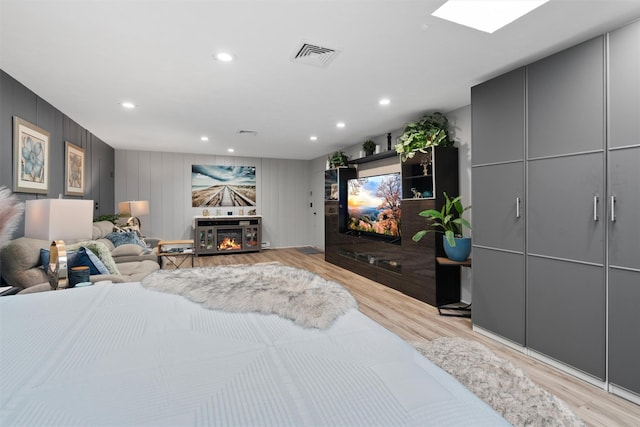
(502, 385)
(270, 288)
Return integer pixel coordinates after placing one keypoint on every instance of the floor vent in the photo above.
(315, 55)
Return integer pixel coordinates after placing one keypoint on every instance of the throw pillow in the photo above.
(77, 258)
(101, 251)
(127, 237)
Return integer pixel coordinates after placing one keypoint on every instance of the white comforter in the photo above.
(118, 355)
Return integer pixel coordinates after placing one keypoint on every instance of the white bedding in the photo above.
(118, 355)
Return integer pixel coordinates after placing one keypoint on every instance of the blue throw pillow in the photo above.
(82, 256)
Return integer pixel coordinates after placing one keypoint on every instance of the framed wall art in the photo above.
(223, 186)
(30, 157)
(74, 168)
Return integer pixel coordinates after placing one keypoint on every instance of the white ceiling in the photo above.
(87, 56)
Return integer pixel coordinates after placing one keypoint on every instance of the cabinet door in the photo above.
(498, 206)
(624, 86)
(499, 293)
(566, 208)
(624, 335)
(566, 101)
(624, 232)
(565, 313)
(497, 115)
(624, 188)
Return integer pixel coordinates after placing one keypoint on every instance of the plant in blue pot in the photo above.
(449, 221)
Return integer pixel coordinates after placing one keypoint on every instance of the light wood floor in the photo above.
(414, 320)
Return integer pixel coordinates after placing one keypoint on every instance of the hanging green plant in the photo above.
(430, 131)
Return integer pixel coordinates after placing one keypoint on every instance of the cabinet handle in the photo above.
(517, 207)
(613, 208)
(595, 207)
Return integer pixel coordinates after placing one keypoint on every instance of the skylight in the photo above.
(486, 15)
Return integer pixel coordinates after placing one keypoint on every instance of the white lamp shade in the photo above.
(59, 219)
(134, 208)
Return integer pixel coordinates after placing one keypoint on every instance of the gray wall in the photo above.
(283, 187)
(17, 100)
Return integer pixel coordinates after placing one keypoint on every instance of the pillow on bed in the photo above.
(82, 256)
(123, 238)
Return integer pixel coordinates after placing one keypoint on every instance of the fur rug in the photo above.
(268, 288)
(502, 385)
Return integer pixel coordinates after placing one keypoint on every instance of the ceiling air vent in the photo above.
(311, 54)
(247, 132)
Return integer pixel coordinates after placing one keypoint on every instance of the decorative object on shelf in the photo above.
(369, 147)
(416, 193)
(425, 162)
(389, 141)
(338, 159)
(31, 157)
(430, 131)
(74, 171)
(450, 222)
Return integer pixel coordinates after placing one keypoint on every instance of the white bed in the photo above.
(119, 355)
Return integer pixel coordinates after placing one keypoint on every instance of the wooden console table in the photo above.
(183, 250)
(458, 310)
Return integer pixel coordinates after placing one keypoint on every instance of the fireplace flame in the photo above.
(228, 244)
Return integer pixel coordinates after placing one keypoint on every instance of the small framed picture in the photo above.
(74, 171)
(30, 157)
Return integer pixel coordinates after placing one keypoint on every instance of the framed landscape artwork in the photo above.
(74, 171)
(30, 157)
(223, 186)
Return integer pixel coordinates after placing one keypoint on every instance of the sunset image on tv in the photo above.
(374, 204)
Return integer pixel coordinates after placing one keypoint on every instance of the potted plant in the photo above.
(449, 221)
(338, 159)
(430, 131)
(369, 147)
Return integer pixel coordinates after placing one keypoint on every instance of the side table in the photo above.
(175, 252)
(458, 310)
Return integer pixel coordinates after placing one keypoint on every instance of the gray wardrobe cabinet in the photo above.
(556, 199)
(498, 293)
(624, 205)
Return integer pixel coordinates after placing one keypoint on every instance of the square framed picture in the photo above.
(30, 157)
(74, 170)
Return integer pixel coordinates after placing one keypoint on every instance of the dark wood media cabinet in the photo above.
(409, 267)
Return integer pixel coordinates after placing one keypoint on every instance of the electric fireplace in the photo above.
(223, 235)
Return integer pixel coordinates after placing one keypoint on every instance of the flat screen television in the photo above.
(373, 206)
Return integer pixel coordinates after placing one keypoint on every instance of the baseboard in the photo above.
(624, 393)
(501, 340)
(543, 358)
(567, 369)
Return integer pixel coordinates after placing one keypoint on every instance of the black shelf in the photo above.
(373, 157)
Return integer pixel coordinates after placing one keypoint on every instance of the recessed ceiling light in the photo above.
(224, 57)
(486, 15)
(340, 125)
(230, 150)
(128, 105)
(204, 138)
(313, 138)
(384, 101)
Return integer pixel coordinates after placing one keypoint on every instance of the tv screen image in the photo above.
(373, 204)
